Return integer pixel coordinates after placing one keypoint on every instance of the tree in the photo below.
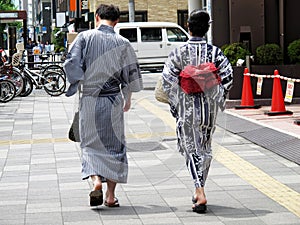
(7, 5)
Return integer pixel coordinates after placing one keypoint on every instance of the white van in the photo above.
(152, 41)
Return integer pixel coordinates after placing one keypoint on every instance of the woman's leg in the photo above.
(198, 167)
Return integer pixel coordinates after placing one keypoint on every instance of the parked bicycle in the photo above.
(7, 89)
(10, 70)
(50, 77)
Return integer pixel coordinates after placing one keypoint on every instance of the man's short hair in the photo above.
(108, 12)
(198, 22)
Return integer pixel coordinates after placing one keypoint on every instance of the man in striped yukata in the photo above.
(196, 113)
(105, 66)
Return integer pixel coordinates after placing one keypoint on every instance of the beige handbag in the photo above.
(160, 95)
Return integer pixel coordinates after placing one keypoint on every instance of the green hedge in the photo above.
(269, 54)
(294, 51)
(234, 52)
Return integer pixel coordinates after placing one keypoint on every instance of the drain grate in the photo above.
(266, 136)
(235, 124)
(280, 143)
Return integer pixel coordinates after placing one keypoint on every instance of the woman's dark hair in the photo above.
(108, 12)
(198, 22)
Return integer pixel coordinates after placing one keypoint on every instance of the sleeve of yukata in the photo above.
(131, 74)
(226, 74)
(170, 75)
(73, 65)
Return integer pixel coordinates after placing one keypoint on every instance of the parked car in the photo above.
(152, 41)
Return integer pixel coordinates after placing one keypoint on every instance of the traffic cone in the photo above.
(247, 96)
(278, 107)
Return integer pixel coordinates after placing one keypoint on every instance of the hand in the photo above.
(127, 106)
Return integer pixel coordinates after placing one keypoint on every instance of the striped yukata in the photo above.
(104, 64)
(196, 113)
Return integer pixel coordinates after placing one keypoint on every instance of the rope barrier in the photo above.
(273, 76)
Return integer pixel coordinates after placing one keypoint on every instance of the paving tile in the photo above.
(47, 218)
(279, 218)
(40, 182)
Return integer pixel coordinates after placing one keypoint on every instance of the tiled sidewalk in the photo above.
(40, 172)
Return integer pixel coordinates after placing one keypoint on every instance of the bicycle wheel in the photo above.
(55, 68)
(7, 91)
(17, 80)
(54, 83)
(28, 86)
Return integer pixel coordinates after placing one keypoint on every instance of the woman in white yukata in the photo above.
(104, 64)
(196, 113)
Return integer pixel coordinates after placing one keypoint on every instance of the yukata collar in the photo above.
(106, 28)
(197, 39)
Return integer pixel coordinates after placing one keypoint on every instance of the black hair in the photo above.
(108, 12)
(198, 22)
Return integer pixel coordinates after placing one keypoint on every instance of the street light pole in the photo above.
(131, 9)
(33, 19)
(209, 33)
(193, 4)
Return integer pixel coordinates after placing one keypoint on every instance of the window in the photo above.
(176, 35)
(182, 17)
(129, 33)
(151, 34)
(140, 16)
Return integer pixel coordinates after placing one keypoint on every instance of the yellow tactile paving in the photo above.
(272, 188)
(58, 140)
(33, 141)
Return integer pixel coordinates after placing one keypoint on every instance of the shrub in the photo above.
(269, 54)
(294, 51)
(235, 51)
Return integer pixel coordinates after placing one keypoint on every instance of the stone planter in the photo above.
(291, 71)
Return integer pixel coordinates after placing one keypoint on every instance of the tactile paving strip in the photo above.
(235, 124)
(280, 143)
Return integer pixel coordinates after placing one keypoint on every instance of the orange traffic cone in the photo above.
(278, 107)
(247, 96)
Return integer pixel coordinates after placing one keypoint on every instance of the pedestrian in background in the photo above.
(30, 58)
(47, 48)
(36, 54)
(104, 64)
(196, 113)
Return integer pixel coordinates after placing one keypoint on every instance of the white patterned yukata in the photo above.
(196, 113)
(105, 65)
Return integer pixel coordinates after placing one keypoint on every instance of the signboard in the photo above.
(60, 19)
(9, 15)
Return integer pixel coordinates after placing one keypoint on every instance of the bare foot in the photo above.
(199, 196)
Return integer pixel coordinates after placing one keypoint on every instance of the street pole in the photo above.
(194, 4)
(131, 9)
(281, 24)
(209, 33)
(33, 20)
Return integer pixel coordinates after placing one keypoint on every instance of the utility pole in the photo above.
(209, 33)
(131, 9)
(193, 4)
(33, 19)
(281, 24)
